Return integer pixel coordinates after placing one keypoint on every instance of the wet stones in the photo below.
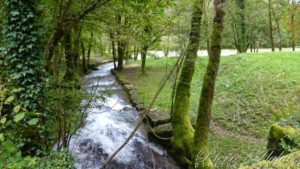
(127, 109)
(140, 107)
(159, 121)
(161, 135)
(156, 117)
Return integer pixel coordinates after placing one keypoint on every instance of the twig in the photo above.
(153, 158)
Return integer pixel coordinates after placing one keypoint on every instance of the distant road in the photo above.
(225, 52)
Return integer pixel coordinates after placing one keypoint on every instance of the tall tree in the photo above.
(276, 18)
(241, 40)
(121, 44)
(270, 25)
(208, 88)
(183, 132)
(293, 25)
(71, 73)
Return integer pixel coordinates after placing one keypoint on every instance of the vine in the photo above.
(22, 54)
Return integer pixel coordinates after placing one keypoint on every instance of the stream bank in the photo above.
(110, 120)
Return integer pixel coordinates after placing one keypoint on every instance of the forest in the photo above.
(149, 84)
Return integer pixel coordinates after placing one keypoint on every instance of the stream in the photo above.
(110, 119)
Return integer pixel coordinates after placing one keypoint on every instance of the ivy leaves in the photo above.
(19, 117)
(23, 53)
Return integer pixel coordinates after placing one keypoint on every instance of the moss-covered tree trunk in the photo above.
(183, 132)
(144, 57)
(270, 26)
(208, 88)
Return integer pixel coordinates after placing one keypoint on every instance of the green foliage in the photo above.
(55, 160)
(287, 148)
(22, 53)
(28, 126)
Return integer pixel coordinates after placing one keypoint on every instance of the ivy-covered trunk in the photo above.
(201, 152)
(24, 70)
(183, 132)
(23, 53)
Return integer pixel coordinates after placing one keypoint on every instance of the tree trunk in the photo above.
(243, 46)
(113, 49)
(208, 87)
(50, 47)
(293, 25)
(71, 72)
(183, 132)
(76, 54)
(121, 46)
(207, 46)
(136, 52)
(127, 53)
(76, 46)
(144, 57)
(270, 26)
(276, 17)
(121, 52)
(168, 44)
(84, 63)
(90, 48)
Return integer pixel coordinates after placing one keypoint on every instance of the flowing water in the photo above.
(109, 122)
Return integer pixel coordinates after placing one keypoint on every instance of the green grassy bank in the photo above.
(249, 87)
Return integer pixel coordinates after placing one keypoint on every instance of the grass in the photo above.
(248, 87)
(228, 152)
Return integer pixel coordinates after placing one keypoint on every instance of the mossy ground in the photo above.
(291, 161)
(247, 86)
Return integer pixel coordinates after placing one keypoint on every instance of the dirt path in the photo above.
(227, 133)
